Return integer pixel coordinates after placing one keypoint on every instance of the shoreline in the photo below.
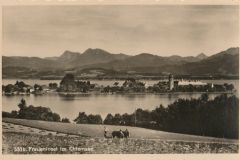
(123, 78)
(117, 93)
(142, 93)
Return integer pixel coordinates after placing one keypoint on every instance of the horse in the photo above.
(126, 134)
(120, 134)
(117, 134)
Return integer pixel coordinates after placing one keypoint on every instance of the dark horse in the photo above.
(120, 134)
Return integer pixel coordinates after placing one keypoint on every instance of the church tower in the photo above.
(171, 82)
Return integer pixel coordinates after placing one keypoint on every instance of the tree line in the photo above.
(34, 113)
(217, 117)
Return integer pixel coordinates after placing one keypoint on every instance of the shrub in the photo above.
(88, 119)
(31, 112)
(65, 120)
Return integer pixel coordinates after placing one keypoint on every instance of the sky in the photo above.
(185, 30)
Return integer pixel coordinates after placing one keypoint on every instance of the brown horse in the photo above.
(126, 134)
(120, 134)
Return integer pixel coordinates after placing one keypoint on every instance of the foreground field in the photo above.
(38, 137)
(97, 131)
(23, 143)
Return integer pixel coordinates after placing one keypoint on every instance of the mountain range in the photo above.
(223, 63)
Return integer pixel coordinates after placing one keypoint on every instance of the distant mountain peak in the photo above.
(233, 50)
(201, 56)
(230, 51)
(175, 56)
(69, 55)
(95, 51)
(146, 55)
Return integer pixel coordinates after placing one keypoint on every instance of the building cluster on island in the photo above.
(69, 85)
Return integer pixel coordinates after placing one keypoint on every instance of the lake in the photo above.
(99, 104)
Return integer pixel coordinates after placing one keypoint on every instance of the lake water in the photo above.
(98, 104)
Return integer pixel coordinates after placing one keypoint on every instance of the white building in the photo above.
(194, 83)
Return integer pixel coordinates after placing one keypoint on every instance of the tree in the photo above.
(53, 85)
(229, 87)
(22, 105)
(65, 120)
(9, 88)
(128, 119)
(117, 119)
(68, 83)
(36, 87)
(106, 89)
(36, 113)
(82, 118)
(108, 119)
(55, 117)
(159, 115)
(204, 97)
(40, 88)
(20, 84)
(88, 83)
(13, 114)
(143, 117)
(116, 83)
(94, 119)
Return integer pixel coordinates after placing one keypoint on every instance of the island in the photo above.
(70, 86)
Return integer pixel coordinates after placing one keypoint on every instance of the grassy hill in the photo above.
(97, 131)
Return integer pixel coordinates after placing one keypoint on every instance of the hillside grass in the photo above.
(107, 146)
(96, 131)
